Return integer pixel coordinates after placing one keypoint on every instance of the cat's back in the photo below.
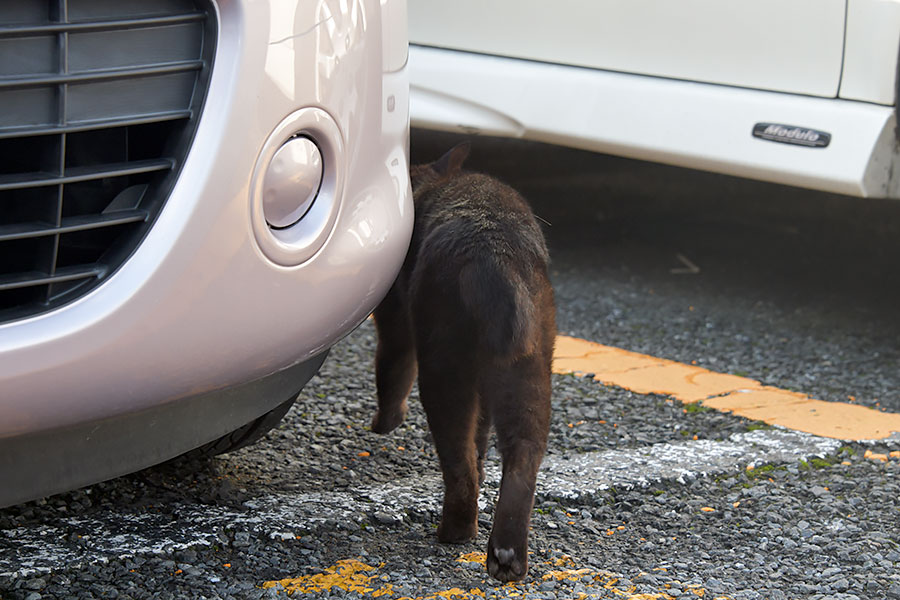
(473, 214)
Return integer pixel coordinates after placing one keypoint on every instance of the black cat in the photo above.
(473, 309)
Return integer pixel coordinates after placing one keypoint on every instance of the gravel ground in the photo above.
(824, 528)
(819, 321)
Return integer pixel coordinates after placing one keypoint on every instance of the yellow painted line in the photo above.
(348, 575)
(356, 576)
(728, 393)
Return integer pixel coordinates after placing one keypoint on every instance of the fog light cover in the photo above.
(292, 181)
(296, 187)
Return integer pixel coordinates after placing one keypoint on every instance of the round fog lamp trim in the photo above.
(290, 230)
(291, 182)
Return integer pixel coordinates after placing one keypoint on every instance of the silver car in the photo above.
(197, 200)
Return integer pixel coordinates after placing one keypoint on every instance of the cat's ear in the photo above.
(451, 162)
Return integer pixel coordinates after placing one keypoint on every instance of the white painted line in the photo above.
(28, 550)
(579, 477)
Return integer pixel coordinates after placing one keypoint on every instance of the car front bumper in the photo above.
(201, 308)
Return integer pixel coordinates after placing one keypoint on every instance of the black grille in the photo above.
(99, 100)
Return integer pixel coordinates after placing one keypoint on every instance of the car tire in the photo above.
(243, 436)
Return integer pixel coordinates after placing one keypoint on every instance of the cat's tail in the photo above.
(503, 306)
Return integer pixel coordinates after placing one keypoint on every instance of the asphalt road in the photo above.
(639, 496)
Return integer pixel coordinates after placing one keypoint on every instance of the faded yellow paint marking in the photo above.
(796, 411)
(472, 557)
(451, 594)
(567, 574)
(728, 393)
(876, 456)
(353, 575)
(643, 374)
(347, 575)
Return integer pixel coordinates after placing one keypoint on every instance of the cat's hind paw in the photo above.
(386, 422)
(457, 534)
(505, 564)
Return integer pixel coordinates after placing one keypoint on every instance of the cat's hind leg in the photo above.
(395, 362)
(520, 401)
(447, 390)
